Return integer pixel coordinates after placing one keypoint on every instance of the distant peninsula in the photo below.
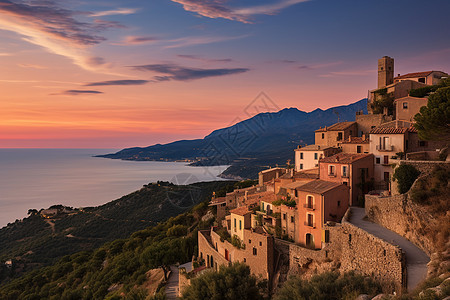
(252, 145)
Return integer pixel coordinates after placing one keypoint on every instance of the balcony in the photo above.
(385, 148)
(309, 224)
(309, 206)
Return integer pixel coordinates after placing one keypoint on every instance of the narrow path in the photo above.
(172, 284)
(416, 259)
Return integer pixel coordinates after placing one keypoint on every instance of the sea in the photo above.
(39, 178)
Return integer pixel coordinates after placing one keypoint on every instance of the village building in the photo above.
(353, 170)
(307, 157)
(332, 135)
(407, 107)
(355, 144)
(319, 201)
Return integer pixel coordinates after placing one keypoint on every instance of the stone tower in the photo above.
(385, 71)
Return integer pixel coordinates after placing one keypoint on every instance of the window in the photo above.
(345, 183)
(351, 132)
(260, 243)
(316, 155)
(255, 252)
(292, 219)
(377, 160)
(245, 260)
(339, 203)
(422, 143)
(249, 241)
(331, 170)
(240, 224)
(234, 224)
(386, 159)
(405, 105)
(301, 155)
(381, 68)
(339, 137)
(422, 79)
(344, 171)
(310, 219)
(301, 166)
(349, 238)
(327, 238)
(323, 136)
(309, 202)
(284, 216)
(358, 149)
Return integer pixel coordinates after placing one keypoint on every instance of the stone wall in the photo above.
(349, 248)
(401, 215)
(424, 166)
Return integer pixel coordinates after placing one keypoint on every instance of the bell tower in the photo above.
(385, 71)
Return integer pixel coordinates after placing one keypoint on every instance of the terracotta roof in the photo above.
(318, 186)
(307, 174)
(313, 147)
(413, 75)
(337, 127)
(294, 185)
(410, 98)
(356, 140)
(218, 201)
(392, 130)
(242, 211)
(344, 158)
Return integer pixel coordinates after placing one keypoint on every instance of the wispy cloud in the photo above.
(199, 40)
(218, 9)
(349, 73)
(179, 73)
(320, 66)
(32, 66)
(53, 28)
(117, 82)
(120, 11)
(5, 54)
(137, 40)
(79, 92)
(200, 58)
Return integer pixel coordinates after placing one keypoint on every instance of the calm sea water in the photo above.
(39, 178)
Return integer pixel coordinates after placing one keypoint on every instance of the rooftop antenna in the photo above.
(337, 114)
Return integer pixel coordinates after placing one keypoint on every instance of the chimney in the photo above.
(318, 147)
(337, 157)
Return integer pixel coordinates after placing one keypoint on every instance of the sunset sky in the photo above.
(122, 73)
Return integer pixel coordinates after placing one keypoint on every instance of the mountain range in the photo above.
(249, 146)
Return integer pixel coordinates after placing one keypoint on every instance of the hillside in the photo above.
(36, 241)
(251, 145)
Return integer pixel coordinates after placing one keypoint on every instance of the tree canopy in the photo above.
(328, 286)
(233, 282)
(433, 120)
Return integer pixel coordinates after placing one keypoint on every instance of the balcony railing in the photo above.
(309, 206)
(313, 225)
(386, 148)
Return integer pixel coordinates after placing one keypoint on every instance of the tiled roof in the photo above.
(313, 147)
(295, 184)
(413, 75)
(392, 130)
(410, 98)
(337, 127)
(307, 174)
(318, 186)
(218, 200)
(242, 211)
(344, 158)
(356, 140)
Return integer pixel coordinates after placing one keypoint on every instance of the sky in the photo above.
(116, 73)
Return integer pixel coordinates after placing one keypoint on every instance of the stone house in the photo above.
(351, 169)
(355, 144)
(307, 157)
(240, 220)
(270, 174)
(257, 251)
(332, 135)
(427, 77)
(407, 107)
(319, 201)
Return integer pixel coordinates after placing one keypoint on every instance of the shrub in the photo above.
(405, 175)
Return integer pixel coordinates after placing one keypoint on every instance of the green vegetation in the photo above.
(115, 269)
(405, 175)
(288, 202)
(32, 243)
(433, 120)
(236, 242)
(328, 286)
(428, 90)
(233, 282)
(382, 100)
